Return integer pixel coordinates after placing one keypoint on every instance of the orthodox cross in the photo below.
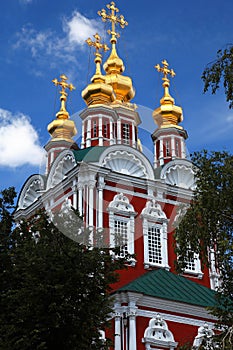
(97, 44)
(166, 72)
(113, 18)
(64, 85)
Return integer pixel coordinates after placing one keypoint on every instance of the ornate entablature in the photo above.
(61, 166)
(128, 161)
(31, 191)
(157, 334)
(179, 173)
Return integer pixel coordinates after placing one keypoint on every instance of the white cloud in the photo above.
(48, 47)
(229, 118)
(25, 2)
(19, 141)
(79, 28)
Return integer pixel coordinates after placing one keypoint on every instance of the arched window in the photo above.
(121, 224)
(158, 335)
(193, 263)
(155, 235)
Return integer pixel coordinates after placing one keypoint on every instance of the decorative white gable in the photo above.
(31, 191)
(126, 160)
(179, 173)
(61, 166)
(158, 334)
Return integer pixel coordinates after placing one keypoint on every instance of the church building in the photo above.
(135, 202)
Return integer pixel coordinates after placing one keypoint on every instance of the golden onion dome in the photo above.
(62, 128)
(114, 66)
(168, 114)
(98, 92)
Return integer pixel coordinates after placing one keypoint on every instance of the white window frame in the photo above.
(153, 216)
(120, 209)
(195, 261)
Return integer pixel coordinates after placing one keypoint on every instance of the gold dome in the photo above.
(168, 114)
(62, 128)
(98, 92)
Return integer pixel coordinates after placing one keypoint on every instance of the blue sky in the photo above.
(41, 39)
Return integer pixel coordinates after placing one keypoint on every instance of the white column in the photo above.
(132, 329)
(161, 155)
(80, 198)
(82, 143)
(88, 140)
(117, 332)
(164, 246)
(111, 133)
(91, 185)
(118, 131)
(173, 147)
(133, 136)
(155, 155)
(101, 185)
(145, 243)
(75, 196)
(100, 120)
(183, 152)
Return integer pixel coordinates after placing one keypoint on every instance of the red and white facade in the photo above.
(137, 204)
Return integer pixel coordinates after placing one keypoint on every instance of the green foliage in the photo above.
(221, 70)
(54, 291)
(208, 226)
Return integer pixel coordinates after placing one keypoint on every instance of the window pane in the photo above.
(154, 245)
(121, 237)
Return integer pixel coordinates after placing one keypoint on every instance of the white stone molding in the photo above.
(61, 166)
(179, 173)
(154, 219)
(204, 332)
(157, 334)
(31, 191)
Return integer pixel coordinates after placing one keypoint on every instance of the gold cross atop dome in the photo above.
(166, 72)
(63, 114)
(114, 19)
(97, 44)
(165, 69)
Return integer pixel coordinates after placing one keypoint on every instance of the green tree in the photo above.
(207, 229)
(220, 71)
(55, 291)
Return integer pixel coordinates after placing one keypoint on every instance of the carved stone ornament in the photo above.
(158, 334)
